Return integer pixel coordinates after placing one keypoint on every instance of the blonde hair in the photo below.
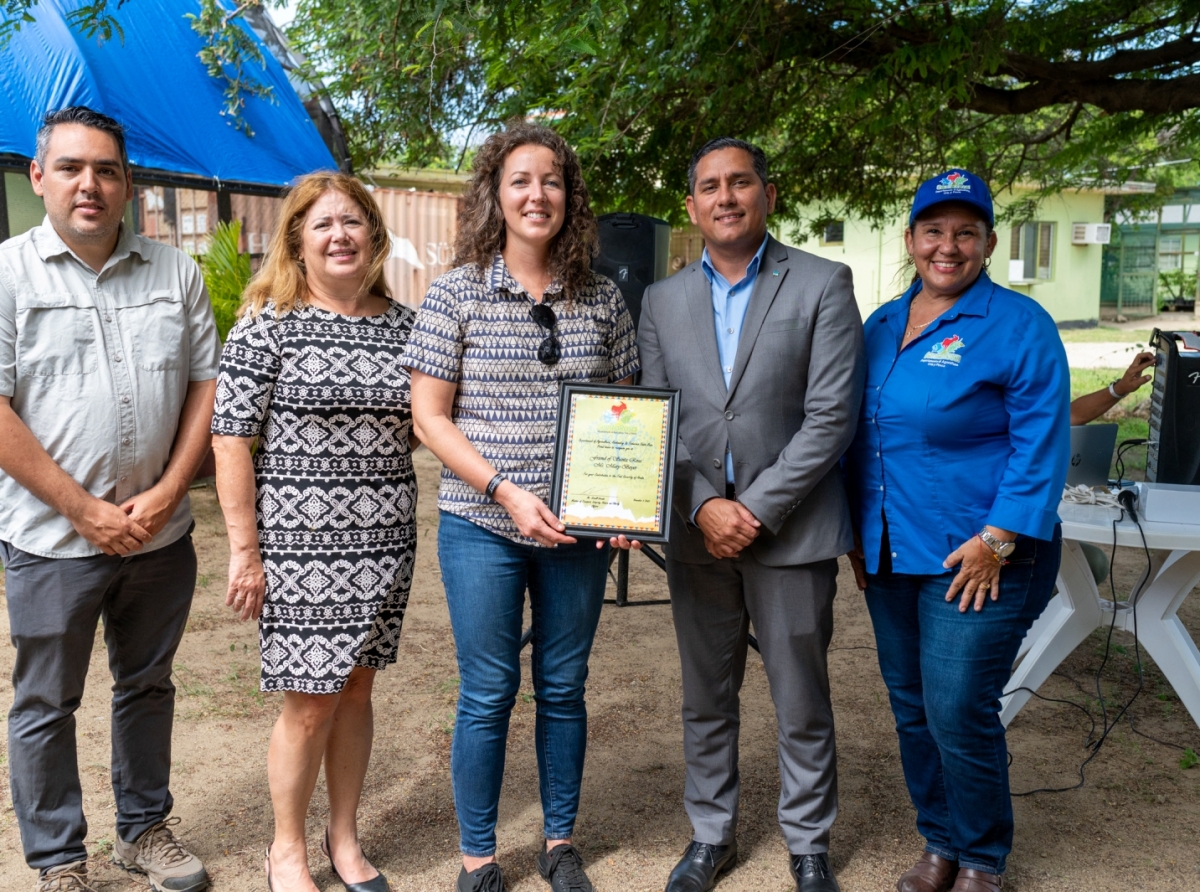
(281, 279)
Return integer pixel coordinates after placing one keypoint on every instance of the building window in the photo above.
(834, 233)
(1170, 252)
(1031, 253)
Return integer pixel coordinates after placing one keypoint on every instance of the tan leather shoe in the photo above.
(977, 881)
(168, 866)
(64, 878)
(931, 873)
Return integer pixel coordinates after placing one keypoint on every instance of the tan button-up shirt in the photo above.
(98, 366)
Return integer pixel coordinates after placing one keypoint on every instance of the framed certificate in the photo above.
(614, 462)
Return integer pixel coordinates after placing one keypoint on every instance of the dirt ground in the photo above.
(1133, 824)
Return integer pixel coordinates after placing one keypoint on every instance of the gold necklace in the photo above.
(916, 329)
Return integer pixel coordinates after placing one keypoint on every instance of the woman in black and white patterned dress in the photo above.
(321, 516)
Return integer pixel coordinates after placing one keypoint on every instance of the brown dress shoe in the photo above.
(931, 873)
(977, 881)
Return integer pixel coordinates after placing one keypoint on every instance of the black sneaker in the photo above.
(562, 868)
(485, 879)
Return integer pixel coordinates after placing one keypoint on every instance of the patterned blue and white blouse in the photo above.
(474, 329)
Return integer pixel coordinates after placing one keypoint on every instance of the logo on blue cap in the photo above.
(954, 182)
(953, 185)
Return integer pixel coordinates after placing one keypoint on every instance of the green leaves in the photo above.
(854, 99)
(226, 272)
(227, 54)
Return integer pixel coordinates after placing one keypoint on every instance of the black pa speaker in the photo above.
(1173, 455)
(634, 253)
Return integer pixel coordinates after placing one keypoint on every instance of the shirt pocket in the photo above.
(155, 324)
(56, 334)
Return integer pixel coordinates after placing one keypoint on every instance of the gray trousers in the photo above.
(791, 609)
(53, 608)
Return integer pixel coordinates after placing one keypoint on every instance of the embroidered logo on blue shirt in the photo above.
(945, 353)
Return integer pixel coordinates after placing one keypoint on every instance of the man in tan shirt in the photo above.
(108, 361)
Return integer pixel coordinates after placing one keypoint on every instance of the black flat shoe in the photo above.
(483, 879)
(813, 874)
(270, 887)
(701, 866)
(562, 868)
(377, 883)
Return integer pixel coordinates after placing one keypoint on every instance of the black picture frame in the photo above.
(563, 447)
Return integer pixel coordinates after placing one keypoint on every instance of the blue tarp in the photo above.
(153, 83)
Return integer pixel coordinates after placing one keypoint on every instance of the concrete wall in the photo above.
(1071, 295)
(25, 210)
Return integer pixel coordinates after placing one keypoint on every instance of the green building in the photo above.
(1056, 259)
(1152, 258)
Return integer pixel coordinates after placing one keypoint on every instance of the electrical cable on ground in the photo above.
(1092, 742)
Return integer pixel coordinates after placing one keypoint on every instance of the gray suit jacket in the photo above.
(788, 415)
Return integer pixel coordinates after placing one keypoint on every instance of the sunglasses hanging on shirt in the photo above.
(547, 350)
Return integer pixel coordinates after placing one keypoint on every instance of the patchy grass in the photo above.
(229, 692)
(1089, 380)
(1103, 335)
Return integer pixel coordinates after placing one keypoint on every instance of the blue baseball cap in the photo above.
(953, 185)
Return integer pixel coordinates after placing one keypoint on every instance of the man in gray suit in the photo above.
(765, 344)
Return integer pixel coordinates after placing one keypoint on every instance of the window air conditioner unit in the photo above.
(1091, 233)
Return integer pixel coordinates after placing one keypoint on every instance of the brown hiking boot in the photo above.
(157, 854)
(64, 878)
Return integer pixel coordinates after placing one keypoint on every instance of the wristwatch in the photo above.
(999, 548)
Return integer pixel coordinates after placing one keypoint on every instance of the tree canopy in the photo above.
(852, 99)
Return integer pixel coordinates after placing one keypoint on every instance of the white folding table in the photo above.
(1078, 609)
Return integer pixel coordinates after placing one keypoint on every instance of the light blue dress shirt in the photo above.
(730, 303)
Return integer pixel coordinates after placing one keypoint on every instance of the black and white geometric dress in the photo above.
(336, 493)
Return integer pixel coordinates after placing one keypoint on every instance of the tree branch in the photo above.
(1184, 51)
(1154, 97)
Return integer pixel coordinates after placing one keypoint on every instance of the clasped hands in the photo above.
(123, 529)
(728, 528)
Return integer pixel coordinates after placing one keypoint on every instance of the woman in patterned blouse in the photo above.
(321, 517)
(493, 340)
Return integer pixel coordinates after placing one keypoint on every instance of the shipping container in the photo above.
(423, 226)
(185, 218)
(258, 214)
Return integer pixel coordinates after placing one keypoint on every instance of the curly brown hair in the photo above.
(481, 231)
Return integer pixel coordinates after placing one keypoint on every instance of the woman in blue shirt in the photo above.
(955, 475)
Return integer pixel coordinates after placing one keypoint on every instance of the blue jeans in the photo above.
(945, 672)
(485, 576)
